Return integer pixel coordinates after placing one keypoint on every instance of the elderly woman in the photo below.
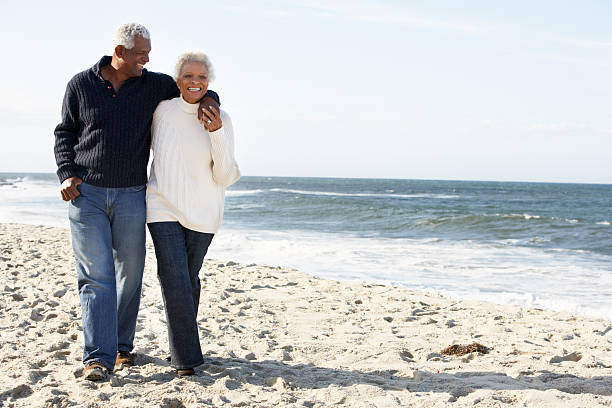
(192, 165)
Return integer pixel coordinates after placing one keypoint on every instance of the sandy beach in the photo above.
(275, 337)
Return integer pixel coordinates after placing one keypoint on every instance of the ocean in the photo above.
(544, 245)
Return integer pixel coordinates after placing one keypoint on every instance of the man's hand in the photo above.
(206, 103)
(213, 119)
(69, 188)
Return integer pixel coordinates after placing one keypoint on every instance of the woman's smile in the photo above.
(193, 81)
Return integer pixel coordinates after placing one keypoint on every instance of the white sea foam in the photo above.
(498, 272)
(570, 220)
(242, 192)
(603, 223)
(380, 195)
(524, 216)
(32, 201)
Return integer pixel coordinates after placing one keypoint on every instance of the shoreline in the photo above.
(595, 314)
(280, 337)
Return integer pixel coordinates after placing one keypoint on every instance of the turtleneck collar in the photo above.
(188, 107)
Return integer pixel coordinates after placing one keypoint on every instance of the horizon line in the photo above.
(380, 178)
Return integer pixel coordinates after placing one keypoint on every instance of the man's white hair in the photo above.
(193, 56)
(126, 33)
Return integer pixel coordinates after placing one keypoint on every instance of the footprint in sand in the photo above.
(575, 356)
(38, 364)
(59, 293)
(406, 356)
(172, 403)
(35, 376)
(36, 315)
(59, 401)
(59, 346)
(17, 297)
(51, 316)
(20, 391)
(450, 323)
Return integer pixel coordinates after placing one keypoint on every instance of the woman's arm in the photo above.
(225, 170)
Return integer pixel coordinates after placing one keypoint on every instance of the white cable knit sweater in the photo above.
(191, 167)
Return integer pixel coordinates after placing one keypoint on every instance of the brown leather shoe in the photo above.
(124, 359)
(94, 371)
(185, 372)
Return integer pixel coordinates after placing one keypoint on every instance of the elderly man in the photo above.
(102, 150)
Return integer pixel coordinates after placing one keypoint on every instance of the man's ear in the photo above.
(120, 51)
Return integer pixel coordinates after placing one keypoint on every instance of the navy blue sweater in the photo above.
(104, 136)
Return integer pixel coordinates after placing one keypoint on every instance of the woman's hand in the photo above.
(211, 119)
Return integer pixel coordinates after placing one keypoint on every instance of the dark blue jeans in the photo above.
(108, 239)
(180, 252)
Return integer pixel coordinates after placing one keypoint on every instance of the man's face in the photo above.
(135, 59)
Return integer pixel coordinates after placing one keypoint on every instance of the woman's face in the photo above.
(193, 81)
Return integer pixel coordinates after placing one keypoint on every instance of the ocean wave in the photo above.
(539, 240)
(524, 216)
(522, 241)
(603, 223)
(569, 220)
(29, 191)
(11, 181)
(247, 206)
(380, 195)
(478, 219)
(237, 193)
(28, 182)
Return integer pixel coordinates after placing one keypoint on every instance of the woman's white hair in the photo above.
(193, 56)
(126, 33)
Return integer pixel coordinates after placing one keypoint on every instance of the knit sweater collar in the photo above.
(97, 69)
(190, 108)
(106, 60)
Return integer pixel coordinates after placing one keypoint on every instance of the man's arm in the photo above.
(66, 137)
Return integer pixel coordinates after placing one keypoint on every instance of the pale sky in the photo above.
(473, 90)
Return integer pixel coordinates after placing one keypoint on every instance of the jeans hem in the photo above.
(187, 366)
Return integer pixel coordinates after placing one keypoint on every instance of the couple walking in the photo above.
(112, 115)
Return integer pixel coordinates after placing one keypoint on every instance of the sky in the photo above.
(471, 90)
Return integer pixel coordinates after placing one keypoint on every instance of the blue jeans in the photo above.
(108, 239)
(180, 252)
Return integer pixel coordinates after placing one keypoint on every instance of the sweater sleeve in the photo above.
(225, 170)
(213, 95)
(67, 135)
(168, 88)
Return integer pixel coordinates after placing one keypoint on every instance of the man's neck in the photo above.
(111, 72)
